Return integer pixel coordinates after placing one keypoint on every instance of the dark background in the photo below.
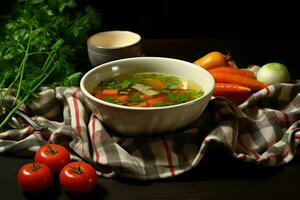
(195, 18)
(186, 18)
(254, 32)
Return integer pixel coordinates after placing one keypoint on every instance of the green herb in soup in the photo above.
(147, 90)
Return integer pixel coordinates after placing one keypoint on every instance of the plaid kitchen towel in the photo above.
(265, 129)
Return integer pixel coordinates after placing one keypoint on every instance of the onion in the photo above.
(272, 73)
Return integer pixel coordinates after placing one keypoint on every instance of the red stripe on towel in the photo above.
(243, 157)
(254, 152)
(205, 141)
(286, 118)
(94, 139)
(241, 143)
(77, 116)
(29, 129)
(297, 135)
(270, 157)
(169, 157)
(268, 91)
(285, 153)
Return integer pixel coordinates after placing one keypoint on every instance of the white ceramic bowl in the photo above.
(136, 121)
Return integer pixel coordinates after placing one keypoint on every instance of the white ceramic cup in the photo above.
(112, 45)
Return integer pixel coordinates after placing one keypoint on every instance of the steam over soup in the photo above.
(147, 90)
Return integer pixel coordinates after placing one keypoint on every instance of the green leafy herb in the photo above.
(125, 84)
(43, 45)
(178, 98)
(112, 84)
(172, 82)
(160, 103)
(197, 94)
(135, 99)
(111, 99)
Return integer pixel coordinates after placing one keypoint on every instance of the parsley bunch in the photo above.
(44, 44)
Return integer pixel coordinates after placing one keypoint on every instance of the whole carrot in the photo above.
(232, 70)
(229, 88)
(253, 84)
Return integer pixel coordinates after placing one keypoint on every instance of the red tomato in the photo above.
(34, 177)
(78, 177)
(54, 156)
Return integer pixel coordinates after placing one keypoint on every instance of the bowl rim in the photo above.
(91, 71)
(97, 48)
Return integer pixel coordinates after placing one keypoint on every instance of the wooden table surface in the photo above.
(218, 175)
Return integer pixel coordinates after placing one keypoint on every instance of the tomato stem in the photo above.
(51, 150)
(78, 169)
(35, 167)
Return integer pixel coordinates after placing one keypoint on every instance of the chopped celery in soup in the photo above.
(147, 90)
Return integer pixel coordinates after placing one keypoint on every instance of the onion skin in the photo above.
(272, 73)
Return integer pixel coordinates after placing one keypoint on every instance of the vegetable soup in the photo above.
(147, 90)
